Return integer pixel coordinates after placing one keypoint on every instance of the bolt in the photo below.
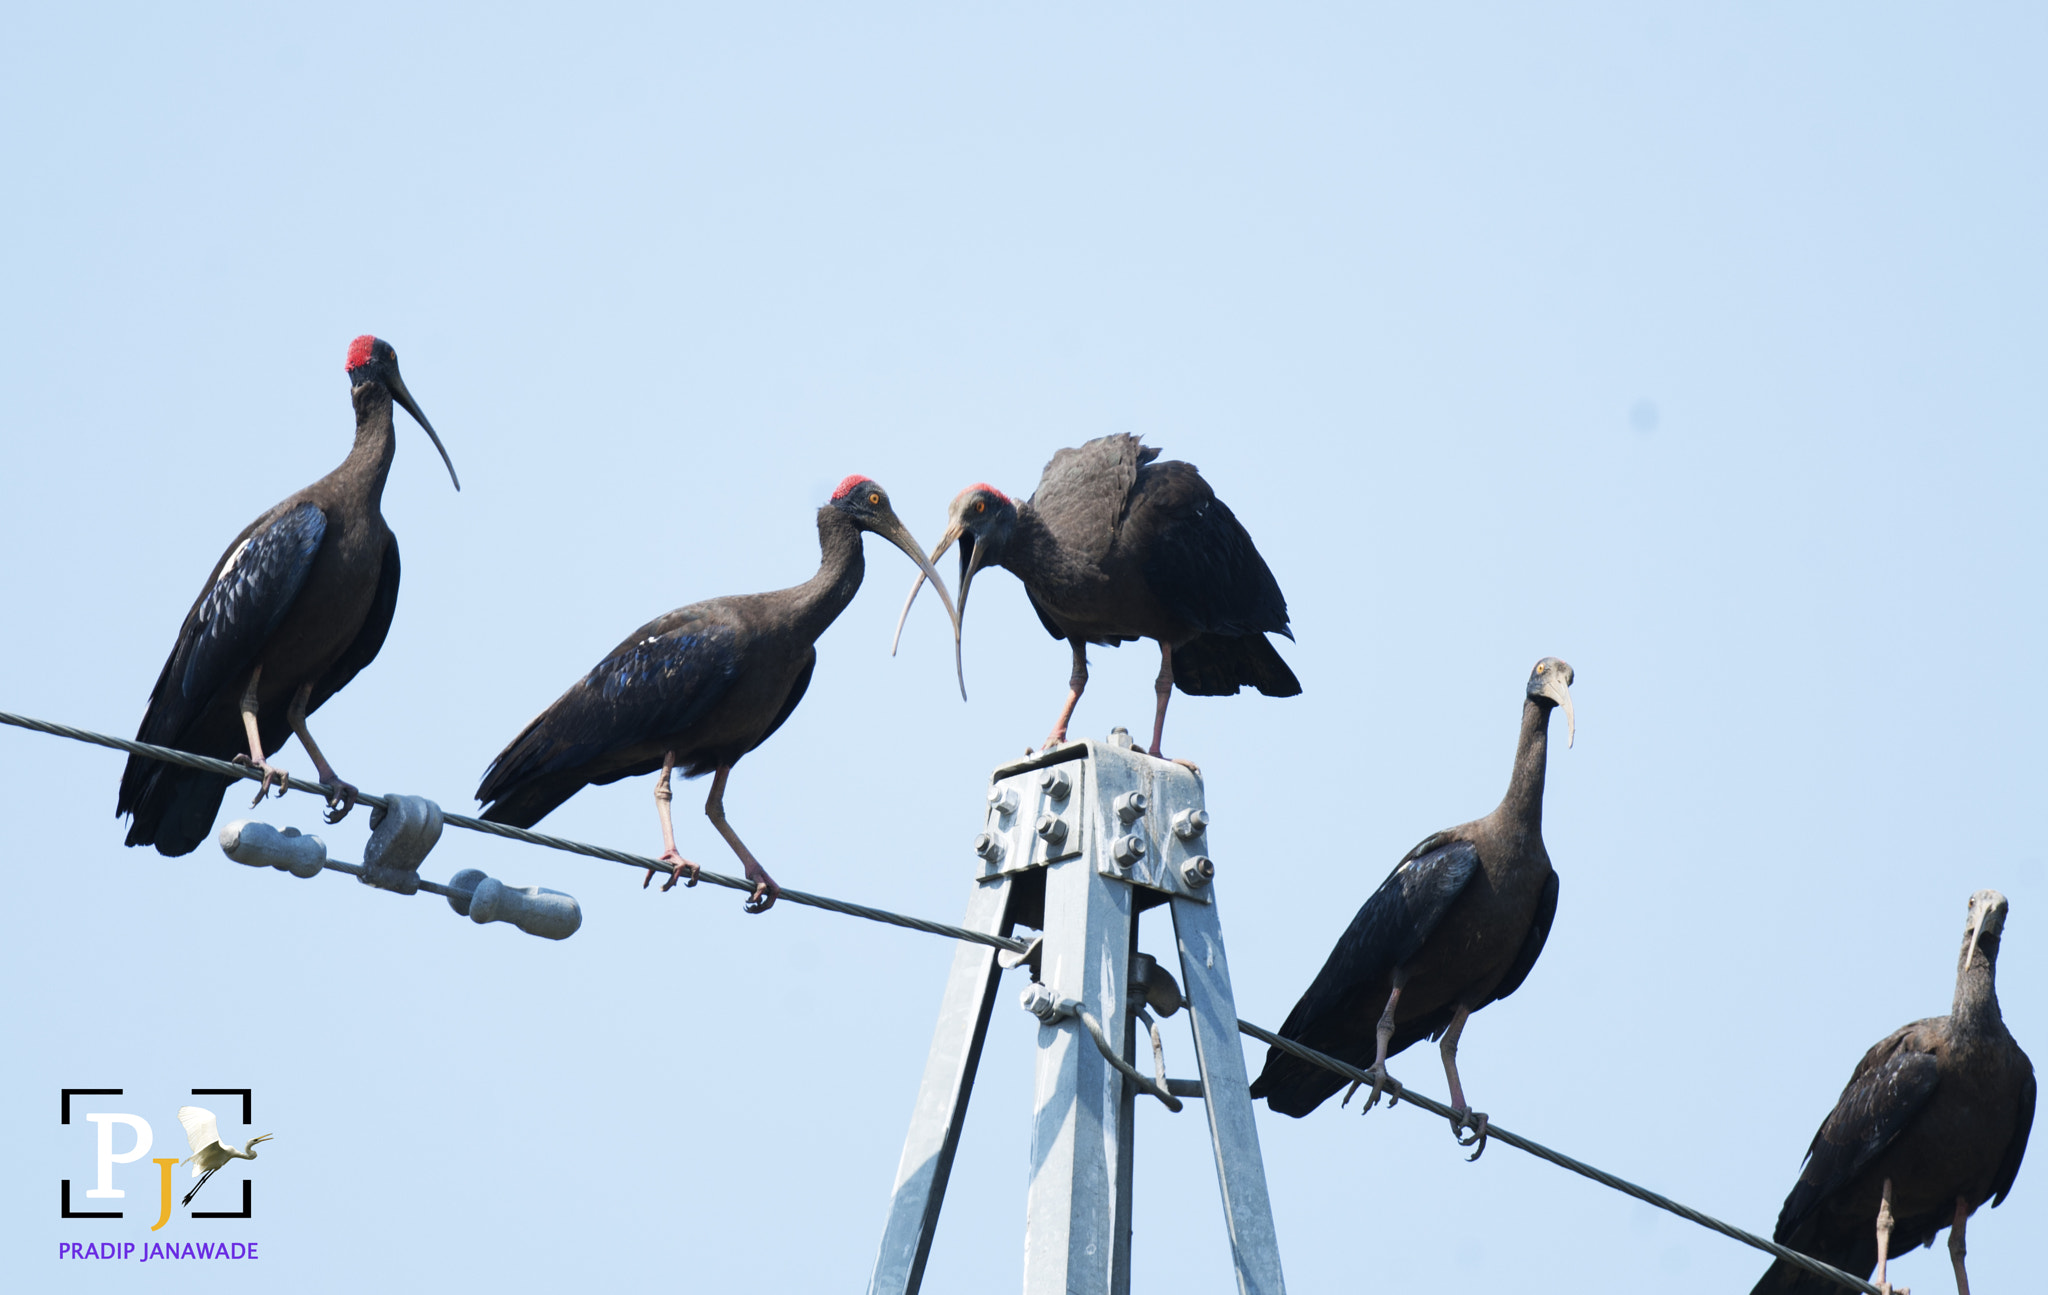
(1052, 828)
(1130, 807)
(989, 846)
(1120, 738)
(1041, 1002)
(1190, 823)
(1127, 850)
(1056, 783)
(1197, 871)
(1003, 800)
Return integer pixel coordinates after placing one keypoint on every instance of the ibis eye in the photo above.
(875, 497)
(980, 505)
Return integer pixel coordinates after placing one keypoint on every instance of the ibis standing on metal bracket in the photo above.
(298, 604)
(1456, 925)
(1113, 547)
(1077, 843)
(1933, 1123)
(697, 689)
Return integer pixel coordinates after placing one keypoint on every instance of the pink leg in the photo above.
(1164, 687)
(1075, 683)
(1474, 1120)
(1884, 1237)
(1378, 1068)
(1955, 1245)
(662, 795)
(765, 889)
(342, 794)
(254, 759)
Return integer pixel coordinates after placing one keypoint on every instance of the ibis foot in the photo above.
(682, 866)
(1463, 1118)
(766, 892)
(270, 773)
(340, 799)
(1382, 1082)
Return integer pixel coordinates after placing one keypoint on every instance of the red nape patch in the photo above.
(359, 351)
(847, 486)
(983, 485)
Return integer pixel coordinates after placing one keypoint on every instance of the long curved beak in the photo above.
(967, 570)
(412, 407)
(898, 534)
(1558, 691)
(1976, 930)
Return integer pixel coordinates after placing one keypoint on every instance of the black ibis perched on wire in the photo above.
(1933, 1123)
(1114, 546)
(697, 689)
(1456, 925)
(296, 607)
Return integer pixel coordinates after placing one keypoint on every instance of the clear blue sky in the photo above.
(1701, 348)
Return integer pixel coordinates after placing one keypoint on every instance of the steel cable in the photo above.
(1400, 1093)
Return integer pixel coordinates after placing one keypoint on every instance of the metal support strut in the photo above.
(1078, 841)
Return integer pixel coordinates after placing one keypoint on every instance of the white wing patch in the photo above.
(202, 1130)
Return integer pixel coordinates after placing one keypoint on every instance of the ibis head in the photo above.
(1549, 685)
(1987, 920)
(981, 519)
(866, 504)
(371, 360)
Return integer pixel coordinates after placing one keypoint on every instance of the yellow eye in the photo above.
(875, 498)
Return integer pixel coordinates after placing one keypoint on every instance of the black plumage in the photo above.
(696, 690)
(1115, 546)
(1457, 925)
(1932, 1124)
(296, 607)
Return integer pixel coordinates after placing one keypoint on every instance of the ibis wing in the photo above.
(1198, 559)
(249, 592)
(657, 683)
(1084, 491)
(1390, 929)
(202, 1130)
(1532, 944)
(1889, 1086)
(369, 640)
(2016, 1150)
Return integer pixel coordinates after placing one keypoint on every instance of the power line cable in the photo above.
(1400, 1093)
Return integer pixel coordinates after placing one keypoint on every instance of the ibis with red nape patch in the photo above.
(296, 607)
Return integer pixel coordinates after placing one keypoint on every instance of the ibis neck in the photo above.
(369, 461)
(1035, 555)
(840, 567)
(1976, 1004)
(1524, 800)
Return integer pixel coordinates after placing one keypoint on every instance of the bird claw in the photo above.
(683, 867)
(1463, 1118)
(270, 773)
(1382, 1082)
(766, 892)
(340, 800)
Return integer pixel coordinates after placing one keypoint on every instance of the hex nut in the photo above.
(1053, 828)
(989, 846)
(1190, 823)
(1130, 807)
(1056, 784)
(1198, 871)
(1127, 850)
(1002, 800)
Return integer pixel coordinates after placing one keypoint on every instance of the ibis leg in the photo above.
(1076, 682)
(341, 795)
(662, 795)
(1163, 685)
(1466, 1117)
(1378, 1069)
(1955, 1245)
(1884, 1234)
(765, 889)
(254, 759)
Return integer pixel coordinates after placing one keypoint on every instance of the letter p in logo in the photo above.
(107, 1159)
